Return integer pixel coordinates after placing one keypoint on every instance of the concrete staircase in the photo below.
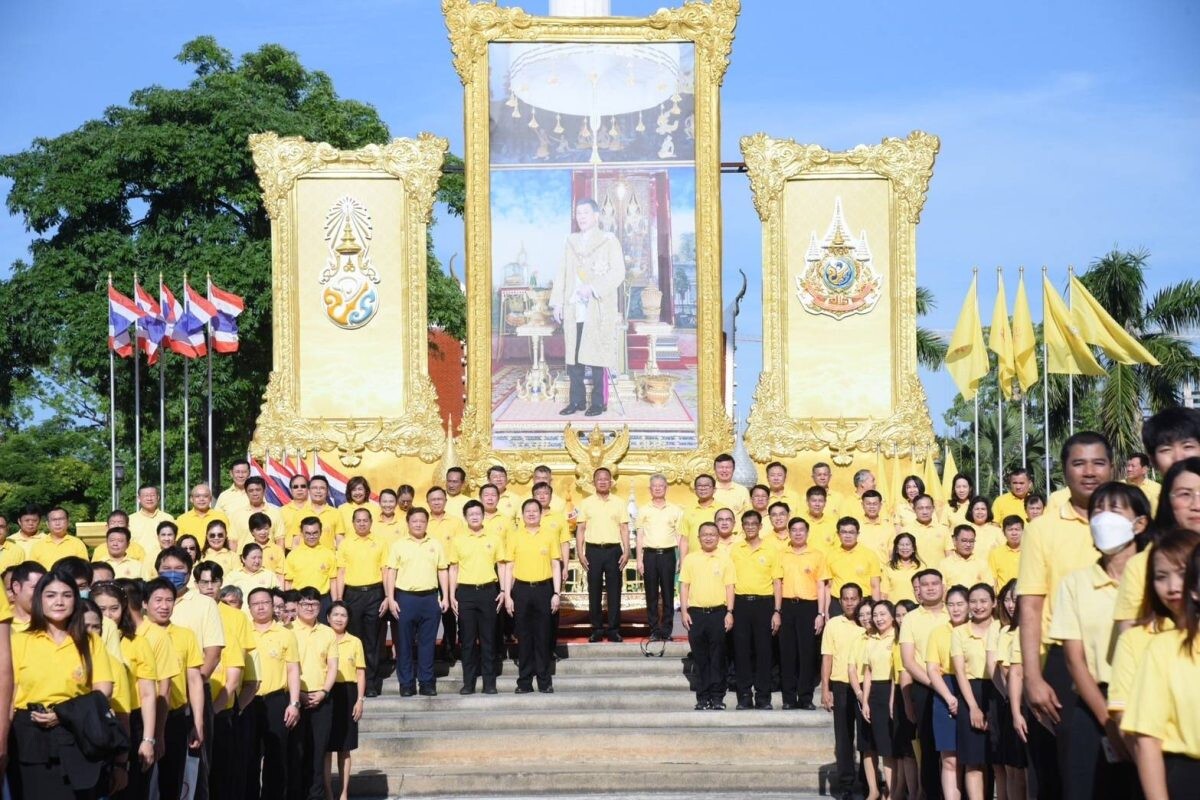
(618, 722)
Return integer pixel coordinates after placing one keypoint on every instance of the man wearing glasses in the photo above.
(295, 511)
(417, 570)
(195, 520)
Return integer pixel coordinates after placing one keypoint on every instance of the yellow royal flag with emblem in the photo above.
(1066, 351)
(966, 358)
(949, 470)
(1000, 342)
(1099, 328)
(1024, 339)
(933, 486)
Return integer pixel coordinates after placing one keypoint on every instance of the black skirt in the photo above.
(343, 732)
(903, 731)
(973, 743)
(880, 703)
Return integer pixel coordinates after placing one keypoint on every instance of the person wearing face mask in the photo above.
(1082, 622)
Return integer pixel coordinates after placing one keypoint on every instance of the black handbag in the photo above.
(97, 732)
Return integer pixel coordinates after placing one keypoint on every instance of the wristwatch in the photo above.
(150, 741)
(295, 704)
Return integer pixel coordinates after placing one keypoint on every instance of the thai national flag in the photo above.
(337, 481)
(150, 327)
(276, 495)
(224, 324)
(175, 334)
(197, 312)
(123, 313)
(279, 477)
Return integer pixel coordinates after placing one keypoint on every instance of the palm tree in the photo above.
(931, 350)
(1118, 281)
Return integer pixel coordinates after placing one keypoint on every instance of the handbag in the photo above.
(94, 726)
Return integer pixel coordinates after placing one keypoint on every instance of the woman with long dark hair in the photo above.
(54, 661)
(900, 569)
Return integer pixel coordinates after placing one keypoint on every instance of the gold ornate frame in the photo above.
(709, 27)
(907, 165)
(281, 430)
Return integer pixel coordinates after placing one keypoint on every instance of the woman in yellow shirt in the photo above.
(1164, 710)
(1009, 758)
(856, 673)
(904, 716)
(253, 575)
(961, 492)
(347, 699)
(217, 549)
(900, 569)
(55, 660)
(988, 534)
(912, 488)
(879, 689)
(946, 705)
(973, 651)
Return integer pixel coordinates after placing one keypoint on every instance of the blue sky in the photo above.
(1067, 128)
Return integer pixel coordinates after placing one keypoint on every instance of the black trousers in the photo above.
(752, 645)
(1087, 773)
(175, 751)
(138, 786)
(222, 769)
(658, 576)
(1183, 774)
(604, 579)
(707, 640)
(477, 621)
(363, 604)
(1048, 750)
(531, 608)
(930, 766)
(845, 718)
(246, 738)
(313, 730)
(575, 372)
(280, 749)
(797, 643)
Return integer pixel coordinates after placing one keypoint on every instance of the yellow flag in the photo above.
(1024, 339)
(1000, 342)
(949, 470)
(1067, 352)
(1099, 328)
(933, 486)
(966, 358)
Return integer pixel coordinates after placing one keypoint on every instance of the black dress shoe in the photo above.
(613, 636)
(789, 706)
(595, 411)
(717, 705)
(547, 690)
(524, 690)
(372, 693)
(490, 690)
(743, 705)
(407, 691)
(428, 691)
(702, 705)
(596, 636)
(571, 409)
(764, 706)
(467, 690)
(807, 707)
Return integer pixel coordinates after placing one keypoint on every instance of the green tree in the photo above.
(166, 185)
(931, 350)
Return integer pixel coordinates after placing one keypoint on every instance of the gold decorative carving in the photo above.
(709, 26)
(597, 452)
(907, 164)
(281, 429)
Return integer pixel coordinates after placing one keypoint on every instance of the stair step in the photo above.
(481, 718)
(668, 699)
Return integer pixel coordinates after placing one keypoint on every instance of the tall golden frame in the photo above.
(709, 27)
(281, 429)
(907, 165)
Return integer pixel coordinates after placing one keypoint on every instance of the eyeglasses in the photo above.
(1185, 495)
(299, 485)
(309, 604)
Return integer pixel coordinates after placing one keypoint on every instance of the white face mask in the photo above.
(1111, 531)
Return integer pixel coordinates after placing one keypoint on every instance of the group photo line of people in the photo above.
(1022, 646)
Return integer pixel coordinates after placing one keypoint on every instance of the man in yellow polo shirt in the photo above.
(914, 639)
(602, 545)
(930, 534)
(506, 503)
(874, 531)
(194, 521)
(417, 571)
(1005, 561)
(317, 646)
(837, 644)
(11, 553)
(475, 596)
(256, 503)
(1055, 545)
(456, 498)
(777, 475)
(59, 543)
(543, 474)
(312, 563)
(703, 510)
(1020, 484)
(852, 562)
(779, 514)
(29, 519)
(963, 567)
(331, 519)
(728, 494)
(361, 561)
(277, 701)
(556, 521)
(757, 612)
(295, 510)
(444, 526)
(805, 596)
(822, 475)
(234, 500)
(143, 523)
(822, 525)
(659, 522)
(115, 553)
(531, 595)
(1137, 473)
(706, 589)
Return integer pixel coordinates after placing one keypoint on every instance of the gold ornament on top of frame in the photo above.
(709, 27)
(282, 429)
(907, 166)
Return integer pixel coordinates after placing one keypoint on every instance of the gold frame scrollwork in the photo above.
(709, 26)
(281, 430)
(907, 165)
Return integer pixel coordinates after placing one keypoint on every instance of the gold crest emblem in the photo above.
(838, 279)
(350, 298)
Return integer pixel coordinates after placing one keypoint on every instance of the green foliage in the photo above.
(931, 350)
(166, 185)
(54, 463)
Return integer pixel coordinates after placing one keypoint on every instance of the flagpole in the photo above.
(137, 400)
(1000, 401)
(186, 434)
(112, 417)
(208, 285)
(1045, 391)
(974, 283)
(1070, 377)
(162, 412)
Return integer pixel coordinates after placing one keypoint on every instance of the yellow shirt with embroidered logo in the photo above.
(532, 554)
(707, 576)
(755, 568)
(659, 526)
(803, 572)
(363, 558)
(417, 563)
(477, 555)
(604, 517)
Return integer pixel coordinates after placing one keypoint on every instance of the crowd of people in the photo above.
(1022, 646)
